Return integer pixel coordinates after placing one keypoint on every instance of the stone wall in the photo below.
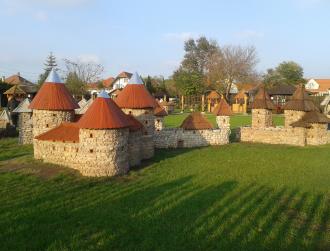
(317, 134)
(25, 128)
(145, 116)
(147, 146)
(159, 123)
(179, 138)
(274, 135)
(103, 152)
(223, 121)
(44, 120)
(262, 118)
(134, 148)
(98, 153)
(291, 116)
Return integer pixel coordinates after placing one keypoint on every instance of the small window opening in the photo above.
(76, 150)
(47, 125)
(91, 150)
(53, 147)
(91, 135)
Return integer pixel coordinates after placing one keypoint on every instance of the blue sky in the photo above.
(147, 36)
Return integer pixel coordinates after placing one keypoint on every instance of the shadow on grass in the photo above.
(152, 215)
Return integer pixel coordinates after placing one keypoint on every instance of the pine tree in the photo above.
(149, 85)
(49, 65)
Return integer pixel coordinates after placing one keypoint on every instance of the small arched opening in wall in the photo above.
(91, 150)
(180, 144)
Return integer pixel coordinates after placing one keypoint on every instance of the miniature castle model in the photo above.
(111, 135)
(304, 123)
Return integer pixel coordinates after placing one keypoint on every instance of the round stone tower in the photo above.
(298, 106)
(223, 112)
(159, 113)
(24, 122)
(103, 139)
(262, 107)
(52, 105)
(135, 100)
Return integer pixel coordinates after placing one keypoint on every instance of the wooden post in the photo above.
(182, 103)
(203, 103)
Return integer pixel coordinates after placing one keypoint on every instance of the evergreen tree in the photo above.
(49, 64)
(149, 85)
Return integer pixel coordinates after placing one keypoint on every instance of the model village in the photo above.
(107, 136)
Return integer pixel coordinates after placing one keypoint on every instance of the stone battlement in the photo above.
(180, 138)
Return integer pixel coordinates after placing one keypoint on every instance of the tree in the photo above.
(49, 64)
(149, 84)
(188, 83)
(287, 72)
(214, 66)
(190, 77)
(232, 64)
(79, 74)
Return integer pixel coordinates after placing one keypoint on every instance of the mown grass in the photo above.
(175, 120)
(233, 197)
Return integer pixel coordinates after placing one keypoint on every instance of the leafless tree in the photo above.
(232, 64)
(87, 72)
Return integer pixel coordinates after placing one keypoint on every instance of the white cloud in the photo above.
(179, 37)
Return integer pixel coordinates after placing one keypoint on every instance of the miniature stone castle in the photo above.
(111, 135)
(304, 123)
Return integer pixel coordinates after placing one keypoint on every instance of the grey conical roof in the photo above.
(23, 106)
(135, 79)
(53, 77)
(103, 94)
(4, 115)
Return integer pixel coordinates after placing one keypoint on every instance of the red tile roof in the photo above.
(67, 132)
(124, 74)
(108, 82)
(324, 85)
(17, 80)
(135, 125)
(135, 96)
(159, 111)
(222, 109)
(53, 96)
(196, 121)
(104, 114)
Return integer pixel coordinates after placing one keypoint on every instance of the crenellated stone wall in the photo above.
(179, 138)
(44, 120)
(292, 116)
(317, 134)
(25, 128)
(262, 118)
(145, 116)
(134, 148)
(274, 135)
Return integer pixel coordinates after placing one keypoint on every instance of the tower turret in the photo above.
(262, 107)
(52, 105)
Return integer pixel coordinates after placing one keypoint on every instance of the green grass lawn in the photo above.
(233, 197)
(175, 120)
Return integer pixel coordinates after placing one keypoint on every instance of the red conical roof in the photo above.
(104, 114)
(196, 121)
(159, 111)
(262, 100)
(53, 95)
(222, 109)
(135, 95)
